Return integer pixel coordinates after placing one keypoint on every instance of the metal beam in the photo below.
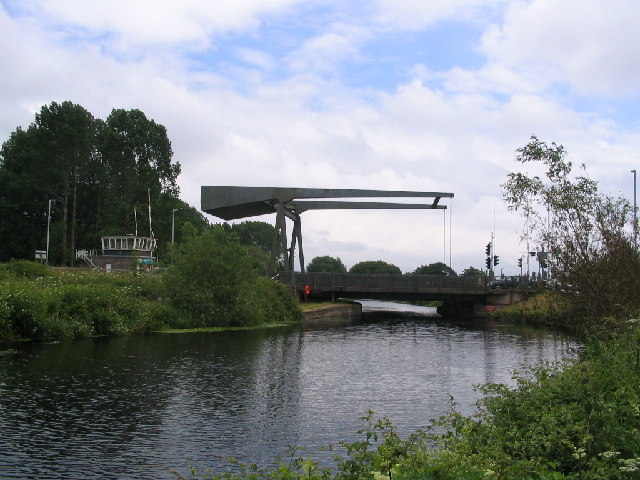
(231, 203)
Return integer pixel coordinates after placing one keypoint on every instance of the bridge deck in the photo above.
(427, 287)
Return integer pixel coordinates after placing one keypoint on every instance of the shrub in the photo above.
(28, 269)
(375, 266)
(578, 421)
(79, 304)
(326, 264)
(268, 301)
(210, 275)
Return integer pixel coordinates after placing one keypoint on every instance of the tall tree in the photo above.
(582, 231)
(326, 264)
(472, 272)
(437, 268)
(254, 234)
(55, 158)
(137, 166)
(375, 266)
(23, 202)
(103, 177)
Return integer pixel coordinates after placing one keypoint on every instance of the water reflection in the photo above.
(119, 407)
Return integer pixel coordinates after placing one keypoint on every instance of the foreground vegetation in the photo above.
(211, 284)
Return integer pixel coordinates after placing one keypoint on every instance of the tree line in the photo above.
(114, 176)
(101, 177)
(330, 264)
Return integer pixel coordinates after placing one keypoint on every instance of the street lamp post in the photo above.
(635, 210)
(48, 225)
(173, 224)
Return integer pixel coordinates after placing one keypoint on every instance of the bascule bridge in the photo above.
(232, 203)
(467, 295)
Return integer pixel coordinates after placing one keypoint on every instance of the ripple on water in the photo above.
(124, 407)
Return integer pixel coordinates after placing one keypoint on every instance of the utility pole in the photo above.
(48, 226)
(173, 224)
(635, 210)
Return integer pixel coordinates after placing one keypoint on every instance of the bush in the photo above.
(270, 302)
(28, 269)
(69, 305)
(580, 421)
(377, 266)
(210, 275)
(326, 264)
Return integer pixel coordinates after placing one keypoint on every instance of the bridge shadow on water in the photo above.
(377, 311)
(385, 312)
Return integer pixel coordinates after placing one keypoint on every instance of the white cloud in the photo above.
(323, 53)
(169, 22)
(588, 44)
(453, 131)
(414, 14)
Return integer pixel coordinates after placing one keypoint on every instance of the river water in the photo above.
(126, 407)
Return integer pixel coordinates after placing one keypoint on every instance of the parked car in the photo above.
(505, 282)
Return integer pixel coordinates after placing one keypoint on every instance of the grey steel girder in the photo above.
(231, 203)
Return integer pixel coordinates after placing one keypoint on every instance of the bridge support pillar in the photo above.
(279, 247)
(460, 310)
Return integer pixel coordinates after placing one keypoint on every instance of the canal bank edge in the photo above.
(326, 314)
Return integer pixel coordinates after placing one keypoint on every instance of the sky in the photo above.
(425, 95)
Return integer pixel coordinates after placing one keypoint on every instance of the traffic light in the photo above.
(488, 263)
(487, 249)
(495, 260)
(520, 262)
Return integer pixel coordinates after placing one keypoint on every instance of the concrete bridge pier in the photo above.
(457, 309)
(482, 308)
(497, 299)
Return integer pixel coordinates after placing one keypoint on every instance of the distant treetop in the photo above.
(375, 266)
(437, 268)
(326, 264)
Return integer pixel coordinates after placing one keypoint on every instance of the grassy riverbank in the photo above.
(37, 302)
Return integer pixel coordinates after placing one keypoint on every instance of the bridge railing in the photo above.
(381, 282)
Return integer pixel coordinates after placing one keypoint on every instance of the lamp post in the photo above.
(635, 217)
(48, 225)
(173, 224)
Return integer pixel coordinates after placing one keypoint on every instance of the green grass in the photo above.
(40, 303)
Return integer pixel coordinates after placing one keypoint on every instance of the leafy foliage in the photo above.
(101, 177)
(437, 268)
(213, 281)
(68, 305)
(257, 237)
(579, 421)
(375, 266)
(472, 272)
(326, 264)
(254, 234)
(209, 274)
(37, 302)
(590, 252)
(270, 302)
